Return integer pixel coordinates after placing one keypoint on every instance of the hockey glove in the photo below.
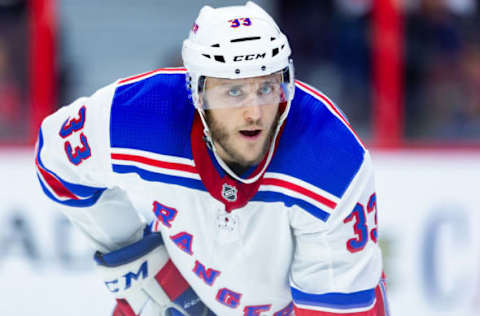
(142, 272)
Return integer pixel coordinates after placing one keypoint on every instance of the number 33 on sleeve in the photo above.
(70, 127)
(360, 227)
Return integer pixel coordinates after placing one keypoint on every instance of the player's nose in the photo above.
(252, 112)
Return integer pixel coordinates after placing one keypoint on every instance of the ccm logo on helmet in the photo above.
(249, 57)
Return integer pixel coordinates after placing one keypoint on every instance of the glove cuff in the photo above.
(129, 253)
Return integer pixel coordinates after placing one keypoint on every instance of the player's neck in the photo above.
(237, 168)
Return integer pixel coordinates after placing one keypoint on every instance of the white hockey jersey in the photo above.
(303, 237)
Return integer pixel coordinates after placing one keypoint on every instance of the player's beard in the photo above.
(220, 137)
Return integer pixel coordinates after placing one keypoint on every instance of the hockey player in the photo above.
(224, 188)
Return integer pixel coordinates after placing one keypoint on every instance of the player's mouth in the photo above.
(251, 134)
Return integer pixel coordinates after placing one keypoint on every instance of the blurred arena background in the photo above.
(406, 73)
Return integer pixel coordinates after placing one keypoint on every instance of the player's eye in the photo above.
(234, 92)
(265, 89)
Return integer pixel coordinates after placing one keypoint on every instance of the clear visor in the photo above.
(232, 93)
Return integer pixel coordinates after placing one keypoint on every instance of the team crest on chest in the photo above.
(229, 192)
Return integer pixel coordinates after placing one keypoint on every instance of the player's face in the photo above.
(242, 115)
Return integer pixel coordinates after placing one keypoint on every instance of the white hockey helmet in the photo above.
(237, 42)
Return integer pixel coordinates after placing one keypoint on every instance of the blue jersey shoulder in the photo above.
(153, 114)
(317, 146)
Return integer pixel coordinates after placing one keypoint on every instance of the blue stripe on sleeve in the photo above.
(77, 189)
(75, 203)
(335, 300)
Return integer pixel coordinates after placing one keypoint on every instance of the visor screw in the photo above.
(264, 68)
(237, 71)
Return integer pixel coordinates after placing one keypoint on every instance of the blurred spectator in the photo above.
(462, 7)
(330, 43)
(352, 58)
(442, 66)
(469, 123)
(9, 96)
(14, 112)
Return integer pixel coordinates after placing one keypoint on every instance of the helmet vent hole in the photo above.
(264, 68)
(282, 46)
(272, 39)
(244, 39)
(275, 51)
(215, 45)
(219, 58)
(237, 71)
(208, 56)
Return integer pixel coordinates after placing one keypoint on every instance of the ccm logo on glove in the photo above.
(142, 273)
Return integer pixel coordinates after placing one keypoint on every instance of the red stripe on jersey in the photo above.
(151, 72)
(380, 304)
(334, 108)
(155, 163)
(171, 281)
(326, 100)
(53, 183)
(299, 189)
